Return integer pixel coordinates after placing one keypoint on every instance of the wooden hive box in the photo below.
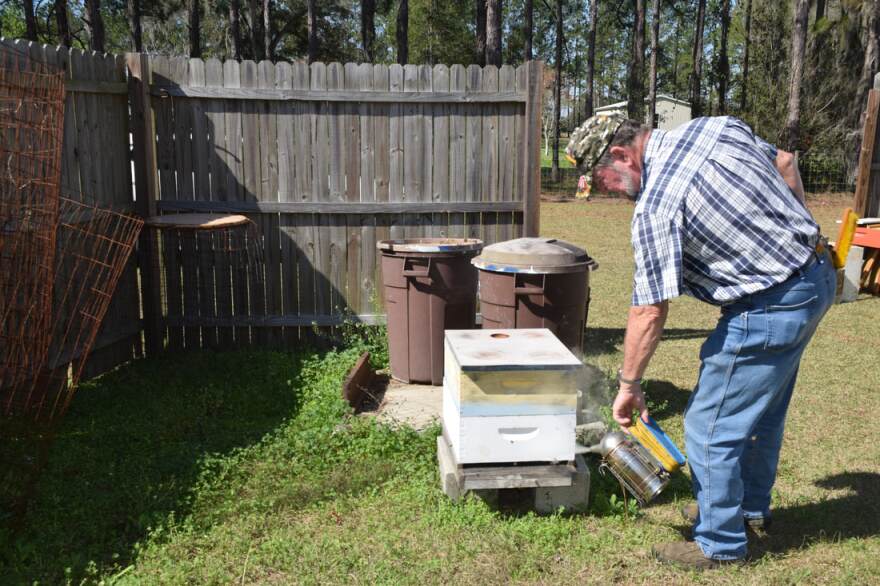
(509, 396)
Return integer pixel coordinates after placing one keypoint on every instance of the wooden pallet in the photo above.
(457, 479)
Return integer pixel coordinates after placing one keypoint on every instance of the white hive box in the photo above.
(509, 396)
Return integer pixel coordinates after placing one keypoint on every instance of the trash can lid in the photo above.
(534, 255)
(431, 245)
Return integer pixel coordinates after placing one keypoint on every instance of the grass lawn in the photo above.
(547, 158)
(246, 467)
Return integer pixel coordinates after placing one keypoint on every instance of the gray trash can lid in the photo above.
(534, 255)
(431, 245)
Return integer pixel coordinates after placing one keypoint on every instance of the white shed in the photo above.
(671, 112)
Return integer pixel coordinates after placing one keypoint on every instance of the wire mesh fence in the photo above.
(31, 126)
(820, 174)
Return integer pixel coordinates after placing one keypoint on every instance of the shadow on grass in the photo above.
(609, 340)
(856, 515)
(130, 451)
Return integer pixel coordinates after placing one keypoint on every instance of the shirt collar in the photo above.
(652, 148)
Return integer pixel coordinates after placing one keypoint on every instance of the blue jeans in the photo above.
(736, 414)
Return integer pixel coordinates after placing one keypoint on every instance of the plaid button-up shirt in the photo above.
(715, 219)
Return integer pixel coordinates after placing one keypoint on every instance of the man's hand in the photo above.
(630, 399)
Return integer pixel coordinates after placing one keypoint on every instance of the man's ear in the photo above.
(619, 153)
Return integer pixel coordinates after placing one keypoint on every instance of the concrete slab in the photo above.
(415, 405)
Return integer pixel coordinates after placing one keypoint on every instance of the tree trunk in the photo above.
(313, 30)
(791, 132)
(403, 32)
(493, 32)
(368, 28)
(723, 62)
(235, 25)
(635, 105)
(696, 77)
(195, 29)
(743, 97)
(529, 14)
(267, 29)
(61, 18)
(95, 25)
(30, 20)
(870, 64)
(652, 78)
(590, 99)
(820, 9)
(557, 92)
(256, 37)
(480, 45)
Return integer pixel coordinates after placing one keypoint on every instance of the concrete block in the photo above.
(852, 274)
(570, 498)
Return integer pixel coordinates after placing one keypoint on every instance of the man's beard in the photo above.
(629, 185)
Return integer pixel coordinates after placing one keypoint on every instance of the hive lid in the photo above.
(534, 255)
(430, 245)
(510, 349)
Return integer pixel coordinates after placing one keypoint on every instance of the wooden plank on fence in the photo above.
(234, 169)
(866, 154)
(172, 287)
(507, 167)
(269, 223)
(200, 142)
(300, 267)
(307, 207)
(215, 123)
(253, 156)
(190, 284)
(83, 133)
(182, 112)
(457, 151)
(396, 155)
(354, 186)
(520, 128)
(490, 155)
(474, 170)
(426, 83)
(337, 243)
(147, 189)
(413, 135)
(344, 96)
(325, 179)
(382, 165)
(532, 146)
(284, 112)
(440, 152)
(366, 258)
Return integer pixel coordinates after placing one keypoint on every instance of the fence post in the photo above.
(532, 143)
(861, 200)
(147, 189)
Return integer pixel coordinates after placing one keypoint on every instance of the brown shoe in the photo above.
(688, 555)
(760, 526)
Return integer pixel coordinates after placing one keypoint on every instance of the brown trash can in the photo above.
(536, 283)
(430, 286)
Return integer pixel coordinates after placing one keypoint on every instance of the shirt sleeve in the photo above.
(657, 250)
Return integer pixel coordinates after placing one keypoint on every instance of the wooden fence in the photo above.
(326, 159)
(96, 167)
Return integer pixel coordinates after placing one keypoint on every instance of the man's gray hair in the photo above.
(627, 133)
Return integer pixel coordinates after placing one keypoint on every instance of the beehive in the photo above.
(509, 396)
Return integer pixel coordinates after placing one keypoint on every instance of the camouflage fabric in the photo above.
(590, 140)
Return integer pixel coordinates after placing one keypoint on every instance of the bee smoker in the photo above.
(633, 466)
